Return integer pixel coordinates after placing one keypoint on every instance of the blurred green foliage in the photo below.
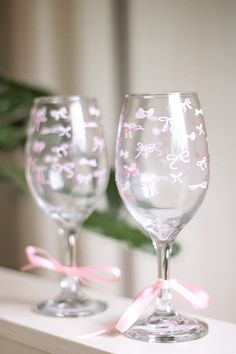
(16, 100)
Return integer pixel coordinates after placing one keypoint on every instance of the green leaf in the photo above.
(15, 176)
(11, 137)
(16, 100)
(113, 197)
(106, 224)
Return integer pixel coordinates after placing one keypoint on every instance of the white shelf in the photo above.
(25, 332)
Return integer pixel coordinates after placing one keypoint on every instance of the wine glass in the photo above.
(162, 173)
(67, 172)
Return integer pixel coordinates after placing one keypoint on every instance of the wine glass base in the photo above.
(76, 306)
(162, 329)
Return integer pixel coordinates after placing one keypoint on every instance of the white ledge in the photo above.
(25, 332)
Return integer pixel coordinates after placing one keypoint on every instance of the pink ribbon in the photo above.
(195, 296)
(39, 258)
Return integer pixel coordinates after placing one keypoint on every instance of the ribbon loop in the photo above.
(39, 258)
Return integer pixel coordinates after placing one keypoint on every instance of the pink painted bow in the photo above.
(39, 258)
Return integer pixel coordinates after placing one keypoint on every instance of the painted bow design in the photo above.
(183, 156)
(129, 128)
(93, 111)
(200, 129)
(194, 187)
(39, 258)
(84, 179)
(146, 150)
(198, 112)
(57, 129)
(98, 144)
(149, 188)
(100, 174)
(39, 171)
(61, 150)
(39, 118)
(87, 162)
(67, 167)
(202, 163)
(124, 154)
(59, 113)
(191, 136)
(187, 104)
(168, 123)
(176, 178)
(149, 114)
(38, 146)
(131, 170)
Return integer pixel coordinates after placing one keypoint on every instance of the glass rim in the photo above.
(161, 94)
(62, 98)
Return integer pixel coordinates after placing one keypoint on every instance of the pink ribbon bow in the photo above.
(39, 258)
(192, 294)
(195, 296)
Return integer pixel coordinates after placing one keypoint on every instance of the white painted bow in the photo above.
(146, 150)
(98, 144)
(100, 174)
(84, 179)
(176, 178)
(124, 154)
(202, 163)
(93, 111)
(149, 188)
(187, 104)
(200, 129)
(183, 156)
(149, 114)
(198, 112)
(57, 129)
(192, 136)
(202, 185)
(169, 123)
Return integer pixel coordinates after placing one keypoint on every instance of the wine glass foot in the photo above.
(164, 329)
(74, 306)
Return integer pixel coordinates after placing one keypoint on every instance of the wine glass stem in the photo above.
(163, 301)
(70, 283)
(72, 243)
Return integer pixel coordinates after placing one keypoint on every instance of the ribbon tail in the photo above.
(27, 267)
(192, 294)
(137, 307)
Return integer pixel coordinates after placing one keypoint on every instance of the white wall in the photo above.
(104, 48)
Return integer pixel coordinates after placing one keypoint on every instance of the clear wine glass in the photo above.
(162, 173)
(67, 171)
